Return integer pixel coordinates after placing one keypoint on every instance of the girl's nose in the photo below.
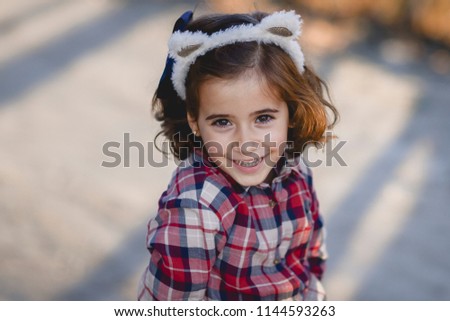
(244, 134)
(248, 138)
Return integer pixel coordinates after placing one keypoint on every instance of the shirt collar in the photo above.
(201, 158)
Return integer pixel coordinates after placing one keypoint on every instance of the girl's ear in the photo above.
(193, 124)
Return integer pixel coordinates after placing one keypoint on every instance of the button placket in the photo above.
(272, 203)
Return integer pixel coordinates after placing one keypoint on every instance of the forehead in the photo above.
(247, 91)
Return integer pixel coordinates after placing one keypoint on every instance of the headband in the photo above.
(280, 28)
(165, 87)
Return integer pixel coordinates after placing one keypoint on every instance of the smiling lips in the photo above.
(248, 164)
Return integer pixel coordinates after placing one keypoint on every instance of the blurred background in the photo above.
(75, 75)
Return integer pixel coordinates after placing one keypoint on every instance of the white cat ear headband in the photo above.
(280, 28)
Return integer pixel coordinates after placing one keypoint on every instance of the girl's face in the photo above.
(243, 125)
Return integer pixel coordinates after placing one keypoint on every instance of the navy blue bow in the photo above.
(165, 87)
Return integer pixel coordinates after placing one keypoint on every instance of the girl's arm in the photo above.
(317, 253)
(182, 244)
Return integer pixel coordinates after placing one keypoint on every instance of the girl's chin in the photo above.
(249, 176)
(251, 181)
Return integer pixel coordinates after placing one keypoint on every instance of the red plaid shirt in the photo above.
(215, 240)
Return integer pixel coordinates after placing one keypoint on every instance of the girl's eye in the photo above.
(221, 123)
(264, 119)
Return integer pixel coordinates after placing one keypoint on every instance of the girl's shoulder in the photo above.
(299, 166)
(299, 169)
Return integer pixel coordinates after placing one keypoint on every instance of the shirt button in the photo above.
(276, 261)
(272, 203)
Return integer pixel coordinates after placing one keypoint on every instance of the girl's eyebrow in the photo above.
(258, 112)
(213, 116)
(264, 111)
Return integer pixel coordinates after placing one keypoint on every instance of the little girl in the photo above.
(240, 219)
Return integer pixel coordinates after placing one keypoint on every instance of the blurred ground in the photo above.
(75, 75)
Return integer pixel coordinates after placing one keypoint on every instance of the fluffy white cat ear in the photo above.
(282, 23)
(183, 44)
(280, 28)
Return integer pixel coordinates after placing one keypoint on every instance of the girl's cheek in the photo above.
(217, 146)
(214, 149)
(274, 141)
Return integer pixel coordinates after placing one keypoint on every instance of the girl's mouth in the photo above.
(248, 164)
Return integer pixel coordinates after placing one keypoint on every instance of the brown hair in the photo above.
(305, 93)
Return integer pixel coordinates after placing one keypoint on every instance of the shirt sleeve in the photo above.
(182, 244)
(317, 253)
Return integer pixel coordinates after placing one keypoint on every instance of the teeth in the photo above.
(248, 164)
